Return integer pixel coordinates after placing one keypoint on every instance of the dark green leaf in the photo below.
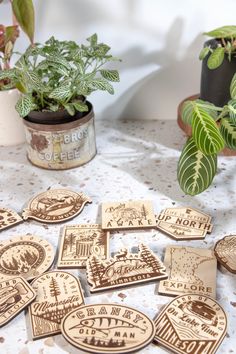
(24, 12)
(228, 131)
(102, 84)
(111, 75)
(195, 169)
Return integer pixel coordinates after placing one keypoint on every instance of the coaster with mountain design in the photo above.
(58, 293)
(27, 256)
(193, 324)
(9, 218)
(55, 205)
(184, 223)
(15, 295)
(128, 215)
(124, 269)
(225, 252)
(191, 270)
(79, 242)
(108, 328)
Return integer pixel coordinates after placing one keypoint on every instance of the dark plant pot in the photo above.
(59, 141)
(215, 84)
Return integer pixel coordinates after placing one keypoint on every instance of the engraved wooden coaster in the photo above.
(128, 215)
(124, 269)
(79, 242)
(55, 205)
(15, 295)
(191, 270)
(225, 252)
(8, 218)
(27, 256)
(191, 324)
(184, 223)
(57, 294)
(108, 328)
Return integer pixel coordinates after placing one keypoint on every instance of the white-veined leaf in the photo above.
(232, 110)
(101, 84)
(61, 93)
(195, 169)
(216, 58)
(228, 131)
(233, 87)
(33, 80)
(206, 133)
(70, 108)
(188, 109)
(222, 32)
(7, 74)
(80, 106)
(111, 75)
(24, 105)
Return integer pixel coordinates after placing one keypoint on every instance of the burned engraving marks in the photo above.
(79, 242)
(15, 295)
(57, 294)
(8, 218)
(27, 256)
(128, 215)
(225, 252)
(124, 269)
(191, 324)
(184, 223)
(55, 205)
(191, 270)
(108, 328)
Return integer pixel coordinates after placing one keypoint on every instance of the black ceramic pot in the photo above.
(215, 83)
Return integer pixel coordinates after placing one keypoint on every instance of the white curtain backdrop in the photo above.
(158, 41)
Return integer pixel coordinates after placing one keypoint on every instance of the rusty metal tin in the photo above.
(61, 146)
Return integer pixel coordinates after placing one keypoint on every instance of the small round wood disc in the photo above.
(191, 324)
(225, 252)
(107, 328)
(55, 205)
(27, 256)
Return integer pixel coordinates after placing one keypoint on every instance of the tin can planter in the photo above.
(57, 141)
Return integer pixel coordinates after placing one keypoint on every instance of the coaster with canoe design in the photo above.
(124, 269)
(108, 328)
(191, 324)
(191, 270)
(128, 215)
(57, 294)
(55, 205)
(15, 295)
(225, 252)
(79, 242)
(8, 218)
(27, 256)
(184, 223)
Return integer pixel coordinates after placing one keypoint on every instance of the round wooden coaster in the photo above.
(108, 328)
(27, 256)
(225, 252)
(191, 324)
(55, 205)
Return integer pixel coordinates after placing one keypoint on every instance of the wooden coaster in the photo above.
(108, 328)
(184, 223)
(225, 252)
(124, 269)
(128, 215)
(55, 205)
(192, 324)
(57, 294)
(15, 295)
(27, 256)
(79, 242)
(8, 218)
(191, 270)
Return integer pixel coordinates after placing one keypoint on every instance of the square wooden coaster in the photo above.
(128, 215)
(79, 242)
(191, 270)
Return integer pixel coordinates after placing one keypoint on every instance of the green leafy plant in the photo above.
(226, 45)
(22, 17)
(212, 129)
(59, 74)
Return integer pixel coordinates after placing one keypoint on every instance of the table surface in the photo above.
(135, 160)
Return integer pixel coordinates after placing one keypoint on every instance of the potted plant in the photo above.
(11, 127)
(212, 128)
(55, 80)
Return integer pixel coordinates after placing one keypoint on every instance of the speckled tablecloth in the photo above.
(135, 160)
